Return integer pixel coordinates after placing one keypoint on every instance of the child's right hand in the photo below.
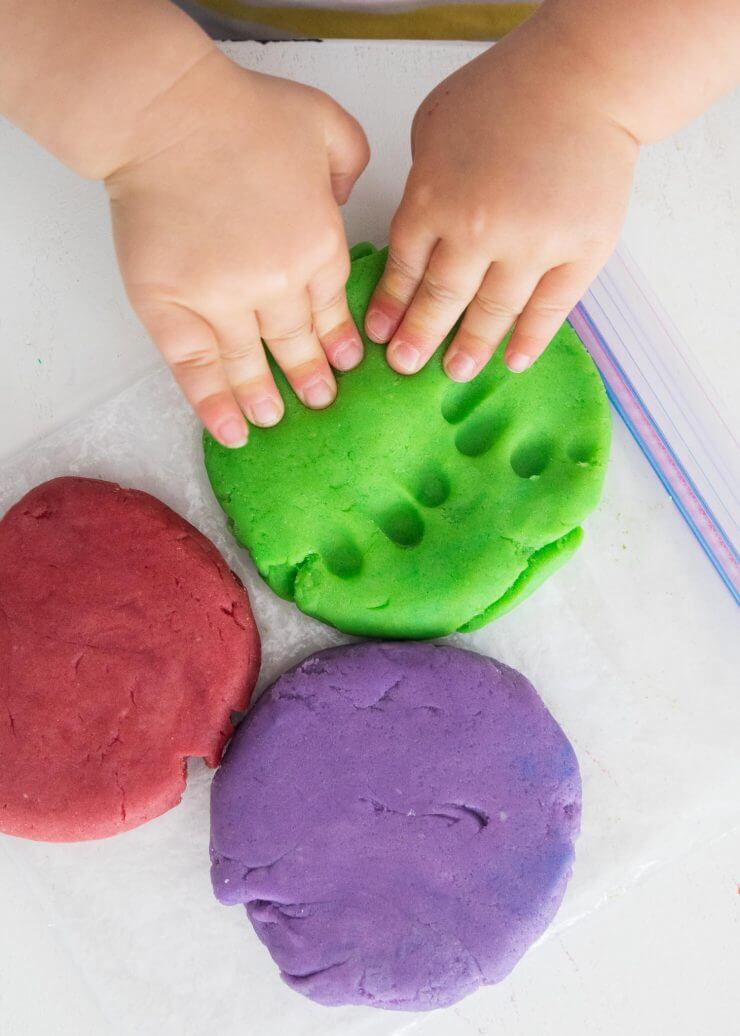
(228, 230)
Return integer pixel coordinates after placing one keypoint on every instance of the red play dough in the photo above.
(125, 644)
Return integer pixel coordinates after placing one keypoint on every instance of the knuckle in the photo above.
(401, 230)
(480, 345)
(147, 303)
(291, 334)
(237, 353)
(397, 232)
(280, 281)
(529, 252)
(421, 196)
(436, 291)
(330, 302)
(153, 303)
(189, 359)
(327, 245)
(494, 308)
(550, 307)
(333, 275)
(478, 224)
(274, 281)
(399, 270)
(334, 238)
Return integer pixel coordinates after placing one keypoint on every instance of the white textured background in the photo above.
(634, 645)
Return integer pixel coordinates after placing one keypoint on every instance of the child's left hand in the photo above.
(515, 199)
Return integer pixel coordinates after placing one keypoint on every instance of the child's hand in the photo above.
(515, 198)
(228, 230)
(227, 182)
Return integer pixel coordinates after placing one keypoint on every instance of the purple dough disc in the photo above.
(399, 820)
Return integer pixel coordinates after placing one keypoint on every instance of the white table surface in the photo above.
(660, 956)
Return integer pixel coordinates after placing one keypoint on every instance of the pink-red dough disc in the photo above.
(125, 645)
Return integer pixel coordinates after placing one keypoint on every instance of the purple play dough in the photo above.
(399, 821)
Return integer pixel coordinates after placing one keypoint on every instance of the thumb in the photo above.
(348, 150)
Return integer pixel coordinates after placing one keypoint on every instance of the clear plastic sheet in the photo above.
(618, 643)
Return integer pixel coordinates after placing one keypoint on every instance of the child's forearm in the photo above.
(653, 64)
(81, 76)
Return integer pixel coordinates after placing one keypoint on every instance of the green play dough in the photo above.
(413, 506)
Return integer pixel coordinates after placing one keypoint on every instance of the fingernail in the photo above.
(518, 362)
(317, 393)
(405, 358)
(348, 355)
(232, 433)
(264, 412)
(379, 327)
(460, 366)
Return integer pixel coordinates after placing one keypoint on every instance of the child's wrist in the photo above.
(192, 101)
(651, 67)
(172, 112)
(91, 91)
(595, 83)
(550, 69)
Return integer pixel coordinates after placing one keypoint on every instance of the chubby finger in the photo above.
(332, 319)
(449, 283)
(408, 257)
(291, 338)
(500, 299)
(189, 345)
(247, 370)
(552, 300)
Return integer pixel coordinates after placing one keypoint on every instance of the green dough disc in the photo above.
(414, 506)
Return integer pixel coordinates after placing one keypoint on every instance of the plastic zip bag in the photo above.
(667, 406)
